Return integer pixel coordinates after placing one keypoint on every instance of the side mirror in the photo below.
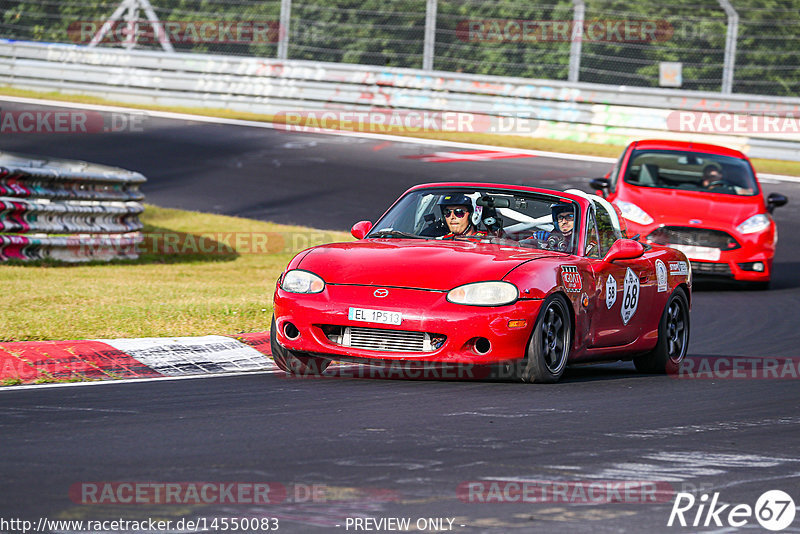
(360, 229)
(624, 249)
(600, 184)
(775, 200)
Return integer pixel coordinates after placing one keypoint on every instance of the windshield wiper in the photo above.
(395, 233)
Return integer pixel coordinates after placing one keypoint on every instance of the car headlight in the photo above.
(484, 294)
(634, 213)
(756, 223)
(297, 281)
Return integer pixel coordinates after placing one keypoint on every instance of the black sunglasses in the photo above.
(458, 212)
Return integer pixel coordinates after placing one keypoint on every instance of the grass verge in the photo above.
(199, 274)
(790, 168)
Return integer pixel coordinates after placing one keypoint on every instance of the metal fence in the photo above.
(741, 46)
(67, 210)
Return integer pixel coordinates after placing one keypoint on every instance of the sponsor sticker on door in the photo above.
(661, 276)
(571, 278)
(680, 268)
(611, 292)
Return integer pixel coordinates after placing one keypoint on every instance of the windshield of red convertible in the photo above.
(690, 171)
(483, 216)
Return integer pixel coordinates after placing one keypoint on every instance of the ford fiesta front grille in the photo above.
(383, 340)
(701, 237)
(718, 269)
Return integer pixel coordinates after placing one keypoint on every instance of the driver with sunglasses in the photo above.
(457, 213)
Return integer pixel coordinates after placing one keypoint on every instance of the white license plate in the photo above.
(374, 316)
(694, 252)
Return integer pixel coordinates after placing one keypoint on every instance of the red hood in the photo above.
(429, 264)
(675, 207)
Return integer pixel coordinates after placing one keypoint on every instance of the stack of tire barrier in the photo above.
(68, 210)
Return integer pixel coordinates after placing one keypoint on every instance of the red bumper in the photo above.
(422, 311)
(751, 261)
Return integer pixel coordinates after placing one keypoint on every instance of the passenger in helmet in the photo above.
(457, 213)
(561, 238)
(564, 220)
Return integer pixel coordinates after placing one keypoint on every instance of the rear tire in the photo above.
(295, 362)
(673, 338)
(548, 348)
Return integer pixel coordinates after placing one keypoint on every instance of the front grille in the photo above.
(718, 269)
(383, 340)
(701, 237)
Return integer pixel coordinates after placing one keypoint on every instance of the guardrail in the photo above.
(68, 210)
(576, 111)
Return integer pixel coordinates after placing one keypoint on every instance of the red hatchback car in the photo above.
(510, 278)
(704, 200)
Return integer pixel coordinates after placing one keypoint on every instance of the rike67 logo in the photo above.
(774, 510)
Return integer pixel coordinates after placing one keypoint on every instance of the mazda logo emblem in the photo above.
(380, 293)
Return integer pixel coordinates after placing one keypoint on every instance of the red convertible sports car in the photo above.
(704, 200)
(509, 278)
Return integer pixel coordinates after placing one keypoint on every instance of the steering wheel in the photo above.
(554, 243)
(717, 183)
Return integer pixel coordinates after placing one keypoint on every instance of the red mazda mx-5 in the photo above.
(702, 199)
(504, 277)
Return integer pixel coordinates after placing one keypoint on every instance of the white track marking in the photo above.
(725, 426)
(143, 380)
(179, 356)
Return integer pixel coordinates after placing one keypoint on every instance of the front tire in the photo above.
(295, 362)
(548, 348)
(673, 338)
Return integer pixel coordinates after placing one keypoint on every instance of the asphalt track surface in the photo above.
(403, 448)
